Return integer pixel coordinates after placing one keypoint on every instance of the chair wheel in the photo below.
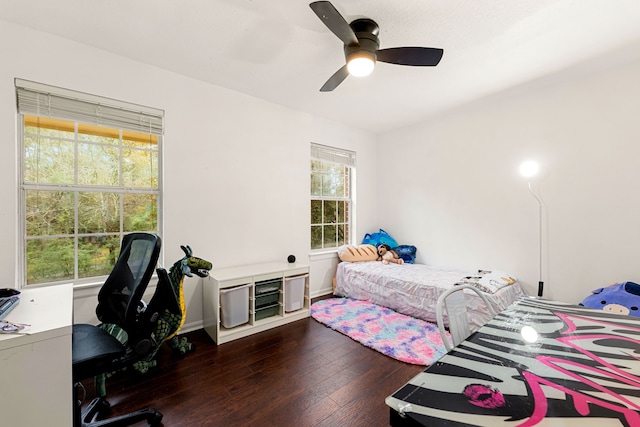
(104, 405)
(156, 419)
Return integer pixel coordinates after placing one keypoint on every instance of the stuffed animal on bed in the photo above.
(620, 298)
(386, 255)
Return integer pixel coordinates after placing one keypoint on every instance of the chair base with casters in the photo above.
(90, 356)
(99, 405)
(453, 301)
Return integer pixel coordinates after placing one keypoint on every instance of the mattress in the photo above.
(413, 289)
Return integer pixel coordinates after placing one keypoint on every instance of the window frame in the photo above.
(77, 189)
(343, 158)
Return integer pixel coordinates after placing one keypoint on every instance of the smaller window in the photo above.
(331, 196)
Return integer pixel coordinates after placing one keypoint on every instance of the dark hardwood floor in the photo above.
(302, 374)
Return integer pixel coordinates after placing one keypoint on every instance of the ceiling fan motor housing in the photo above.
(366, 31)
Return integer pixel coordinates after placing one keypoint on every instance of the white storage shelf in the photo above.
(222, 307)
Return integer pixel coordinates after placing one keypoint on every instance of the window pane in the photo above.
(316, 237)
(50, 260)
(341, 234)
(98, 134)
(333, 180)
(330, 232)
(98, 165)
(316, 185)
(97, 255)
(316, 166)
(316, 178)
(316, 212)
(44, 126)
(98, 212)
(139, 168)
(48, 160)
(329, 211)
(328, 187)
(338, 174)
(341, 211)
(49, 212)
(140, 212)
(139, 140)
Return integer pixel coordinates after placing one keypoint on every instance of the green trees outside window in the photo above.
(330, 202)
(84, 186)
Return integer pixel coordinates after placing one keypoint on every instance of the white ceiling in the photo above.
(278, 50)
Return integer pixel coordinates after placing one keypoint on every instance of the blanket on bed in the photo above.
(413, 289)
(488, 281)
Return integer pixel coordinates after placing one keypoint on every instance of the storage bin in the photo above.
(264, 300)
(268, 311)
(294, 292)
(268, 286)
(234, 305)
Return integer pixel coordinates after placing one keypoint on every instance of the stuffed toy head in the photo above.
(383, 249)
(386, 255)
(621, 298)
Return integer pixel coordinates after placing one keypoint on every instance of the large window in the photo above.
(332, 172)
(84, 185)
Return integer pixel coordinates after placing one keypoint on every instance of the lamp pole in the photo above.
(540, 281)
(530, 169)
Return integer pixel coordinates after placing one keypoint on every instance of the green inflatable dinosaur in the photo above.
(169, 294)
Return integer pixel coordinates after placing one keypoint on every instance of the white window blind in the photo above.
(49, 101)
(332, 154)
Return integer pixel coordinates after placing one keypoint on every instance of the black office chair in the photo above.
(97, 352)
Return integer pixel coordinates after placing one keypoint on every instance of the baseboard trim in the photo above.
(321, 293)
(191, 326)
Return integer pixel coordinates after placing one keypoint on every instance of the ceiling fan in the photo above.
(361, 44)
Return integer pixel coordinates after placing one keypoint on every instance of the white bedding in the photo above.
(413, 289)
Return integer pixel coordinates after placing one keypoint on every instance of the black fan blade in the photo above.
(416, 56)
(337, 78)
(334, 21)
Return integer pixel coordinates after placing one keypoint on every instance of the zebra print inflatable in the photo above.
(536, 363)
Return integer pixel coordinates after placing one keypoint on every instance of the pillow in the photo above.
(378, 238)
(406, 252)
(351, 253)
(620, 298)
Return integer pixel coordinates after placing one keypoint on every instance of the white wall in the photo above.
(236, 169)
(452, 186)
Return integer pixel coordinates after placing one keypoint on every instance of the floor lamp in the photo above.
(529, 169)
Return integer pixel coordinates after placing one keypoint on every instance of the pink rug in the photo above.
(393, 334)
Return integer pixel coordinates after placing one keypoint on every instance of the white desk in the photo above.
(35, 369)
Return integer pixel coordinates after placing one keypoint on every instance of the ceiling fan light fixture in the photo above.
(362, 46)
(361, 64)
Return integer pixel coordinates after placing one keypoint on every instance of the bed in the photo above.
(413, 289)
